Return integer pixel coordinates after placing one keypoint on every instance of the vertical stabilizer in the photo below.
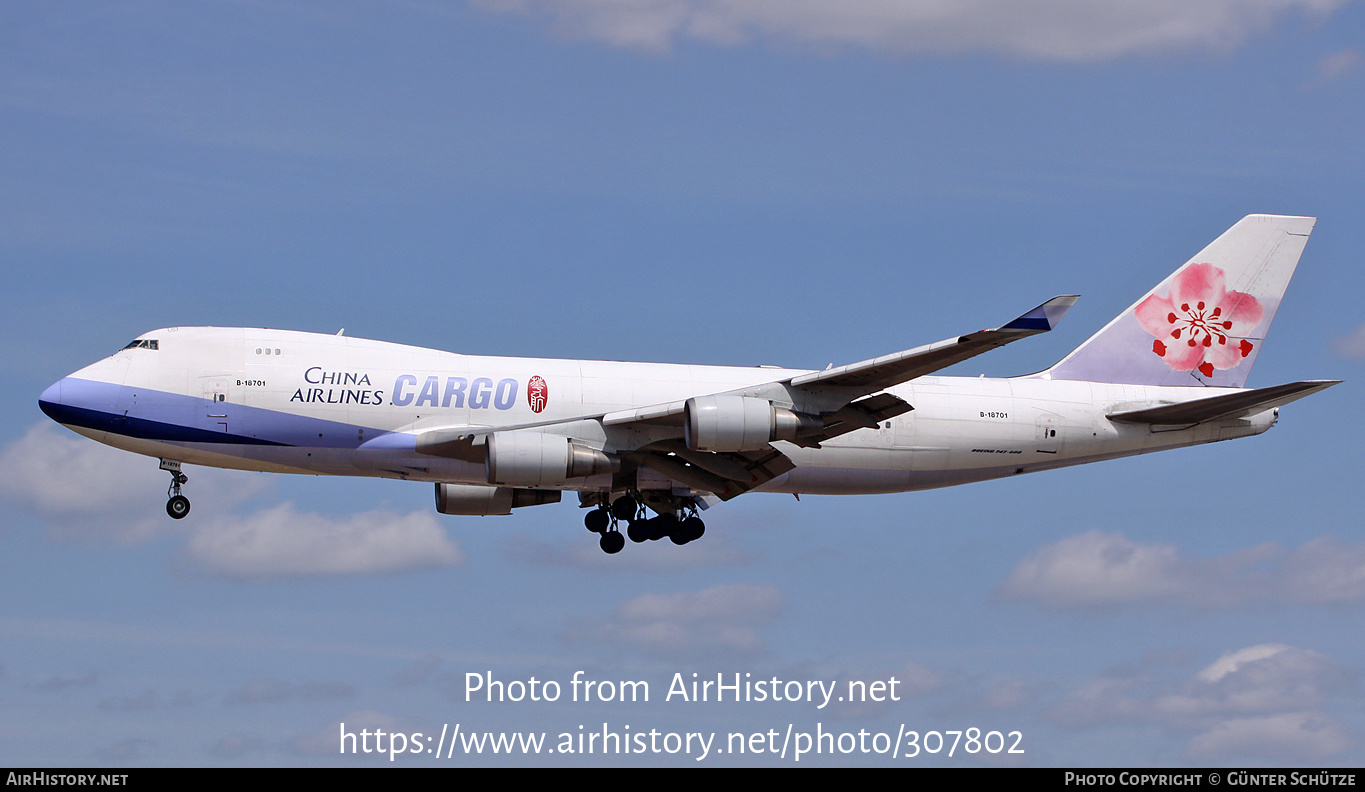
(1204, 324)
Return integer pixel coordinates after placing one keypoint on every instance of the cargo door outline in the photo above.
(1049, 441)
(216, 405)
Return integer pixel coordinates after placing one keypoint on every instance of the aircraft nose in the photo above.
(89, 398)
(72, 401)
(50, 402)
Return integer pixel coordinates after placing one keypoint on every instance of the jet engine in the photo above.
(536, 459)
(740, 423)
(476, 499)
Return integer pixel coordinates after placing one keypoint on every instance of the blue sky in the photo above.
(710, 181)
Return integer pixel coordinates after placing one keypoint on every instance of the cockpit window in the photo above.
(142, 343)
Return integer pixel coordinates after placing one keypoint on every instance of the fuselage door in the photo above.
(216, 403)
(1049, 441)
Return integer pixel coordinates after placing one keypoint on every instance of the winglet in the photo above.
(1044, 317)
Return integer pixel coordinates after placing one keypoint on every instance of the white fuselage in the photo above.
(284, 401)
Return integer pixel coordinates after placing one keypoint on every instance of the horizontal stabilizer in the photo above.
(1230, 405)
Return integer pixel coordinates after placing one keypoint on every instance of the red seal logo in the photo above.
(537, 394)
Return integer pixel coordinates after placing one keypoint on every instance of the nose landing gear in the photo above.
(178, 505)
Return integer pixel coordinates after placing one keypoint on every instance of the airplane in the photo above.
(500, 433)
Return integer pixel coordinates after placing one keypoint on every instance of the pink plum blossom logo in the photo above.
(1200, 324)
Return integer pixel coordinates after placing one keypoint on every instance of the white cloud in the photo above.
(1008, 694)
(1231, 662)
(1268, 678)
(53, 471)
(91, 492)
(1324, 570)
(1268, 699)
(581, 551)
(1095, 570)
(282, 542)
(917, 680)
(1057, 30)
(726, 603)
(1353, 345)
(1340, 64)
(1292, 735)
(721, 620)
(88, 491)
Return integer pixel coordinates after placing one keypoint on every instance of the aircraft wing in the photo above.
(834, 388)
(727, 474)
(839, 400)
(876, 374)
(832, 402)
(723, 474)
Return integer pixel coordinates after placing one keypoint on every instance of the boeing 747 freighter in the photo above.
(498, 433)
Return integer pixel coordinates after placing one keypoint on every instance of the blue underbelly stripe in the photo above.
(142, 428)
(150, 414)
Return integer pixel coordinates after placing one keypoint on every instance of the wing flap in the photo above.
(654, 412)
(864, 413)
(725, 475)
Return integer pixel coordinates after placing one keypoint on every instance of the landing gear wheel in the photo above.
(624, 508)
(663, 525)
(597, 520)
(638, 530)
(178, 506)
(612, 542)
(689, 530)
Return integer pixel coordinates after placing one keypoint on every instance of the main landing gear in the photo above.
(677, 519)
(178, 505)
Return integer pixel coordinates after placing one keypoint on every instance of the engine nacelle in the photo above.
(740, 423)
(537, 459)
(476, 499)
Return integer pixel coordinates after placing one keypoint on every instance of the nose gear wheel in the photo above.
(177, 505)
